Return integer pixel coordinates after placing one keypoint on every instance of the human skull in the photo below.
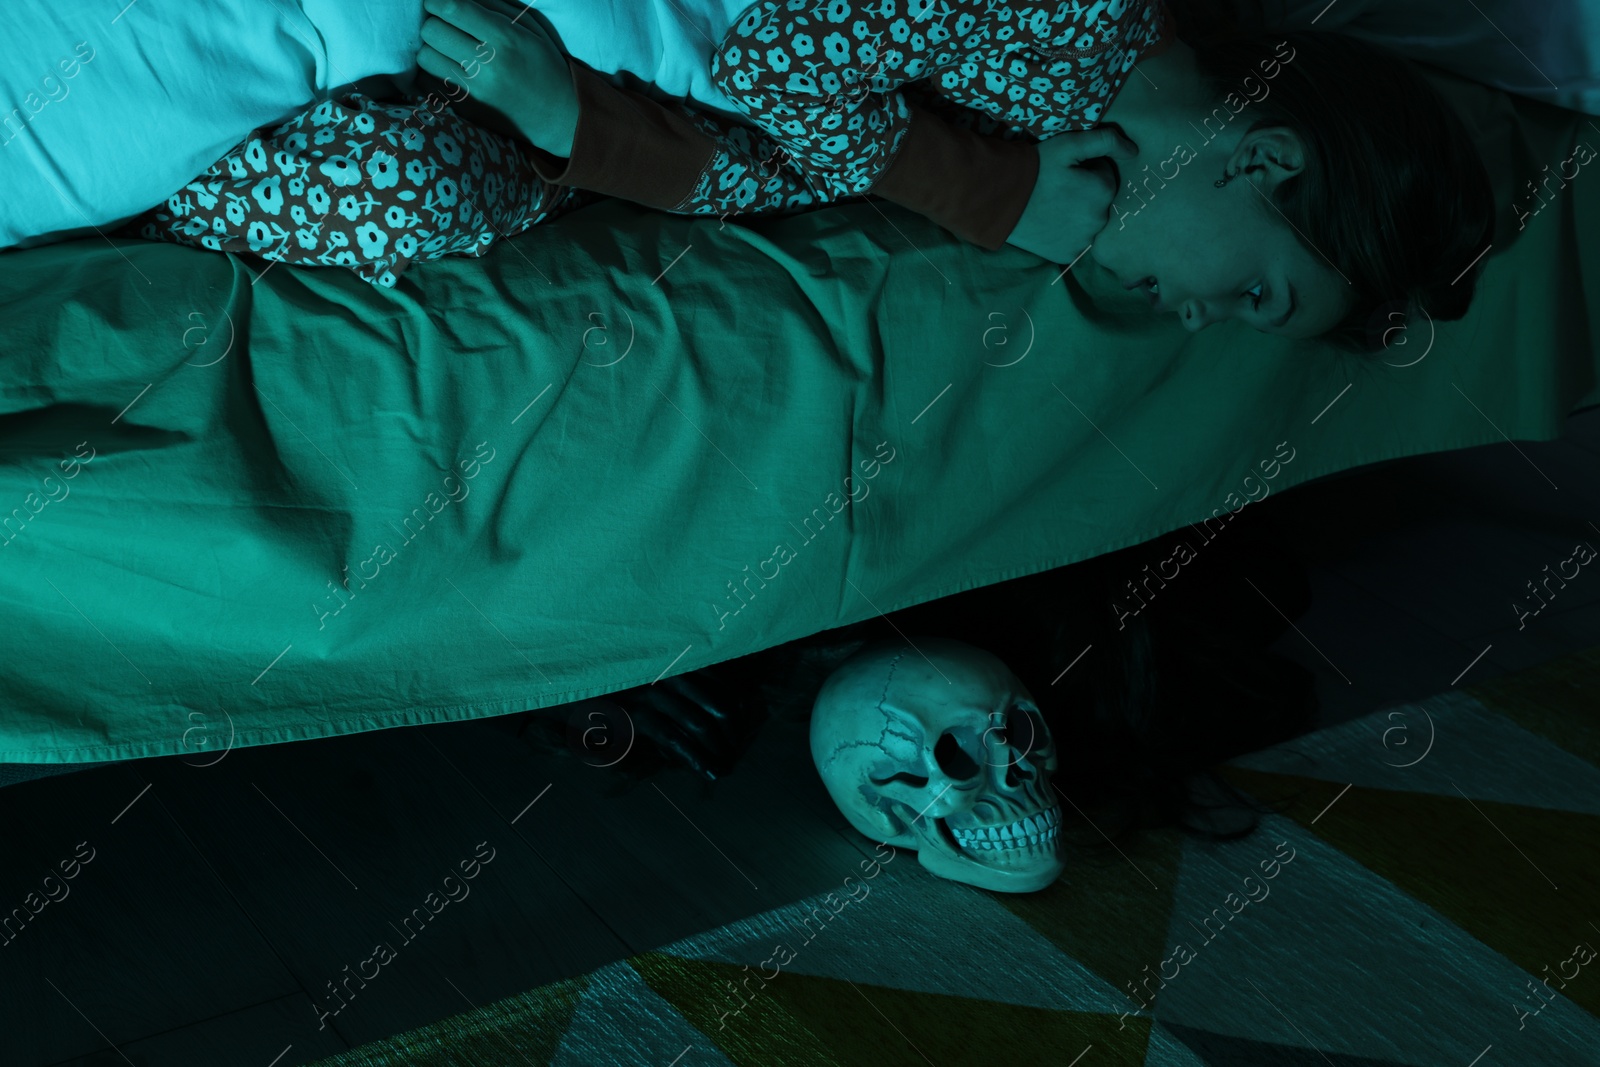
(938, 747)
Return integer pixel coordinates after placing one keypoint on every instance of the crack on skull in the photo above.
(888, 721)
(894, 724)
(888, 680)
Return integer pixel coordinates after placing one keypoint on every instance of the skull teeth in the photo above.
(1036, 831)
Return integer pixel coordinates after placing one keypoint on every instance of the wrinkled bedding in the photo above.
(243, 506)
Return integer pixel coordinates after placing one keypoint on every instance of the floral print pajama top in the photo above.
(935, 105)
(932, 104)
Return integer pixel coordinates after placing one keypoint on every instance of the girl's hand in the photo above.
(1072, 196)
(505, 57)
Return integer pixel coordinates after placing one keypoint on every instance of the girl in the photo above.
(1300, 182)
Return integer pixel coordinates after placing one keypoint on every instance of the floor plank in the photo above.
(277, 1033)
(673, 855)
(338, 846)
(1544, 638)
(144, 940)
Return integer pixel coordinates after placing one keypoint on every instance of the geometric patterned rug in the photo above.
(1429, 894)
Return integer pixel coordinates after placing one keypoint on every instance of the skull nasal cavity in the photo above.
(1014, 773)
(953, 759)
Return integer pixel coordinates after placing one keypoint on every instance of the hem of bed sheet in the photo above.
(513, 705)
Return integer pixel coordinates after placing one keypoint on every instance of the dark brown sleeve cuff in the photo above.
(972, 184)
(627, 145)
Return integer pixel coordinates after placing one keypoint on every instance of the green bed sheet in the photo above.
(245, 507)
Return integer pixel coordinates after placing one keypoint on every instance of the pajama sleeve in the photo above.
(824, 77)
(627, 145)
(974, 186)
(696, 162)
(820, 84)
(672, 156)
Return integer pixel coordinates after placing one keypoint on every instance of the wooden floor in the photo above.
(219, 903)
(215, 910)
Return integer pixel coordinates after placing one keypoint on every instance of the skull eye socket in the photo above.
(1025, 730)
(953, 759)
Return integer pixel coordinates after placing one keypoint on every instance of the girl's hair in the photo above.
(1393, 193)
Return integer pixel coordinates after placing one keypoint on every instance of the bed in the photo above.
(245, 506)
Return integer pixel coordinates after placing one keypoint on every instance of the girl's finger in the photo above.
(469, 17)
(1105, 172)
(455, 43)
(439, 65)
(1101, 141)
(511, 10)
(522, 16)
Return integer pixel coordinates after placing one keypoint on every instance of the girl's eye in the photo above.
(1254, 292)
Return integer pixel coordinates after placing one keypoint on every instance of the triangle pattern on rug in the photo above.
(1226, 1050)
(1550, 700)
(1167, 1051)
(1109, 910)
(1437, 746)
(526, 1028)
(752, 1029)
(1519, 880)
(621, 1019)
(908, 930)
(1328, 955)
(805, 1019)
(904, 1028)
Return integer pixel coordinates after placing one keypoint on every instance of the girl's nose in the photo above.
(1192, 313)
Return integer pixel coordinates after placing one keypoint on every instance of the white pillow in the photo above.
(108, 107)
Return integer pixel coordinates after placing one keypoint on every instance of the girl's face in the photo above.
(1217, 254)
